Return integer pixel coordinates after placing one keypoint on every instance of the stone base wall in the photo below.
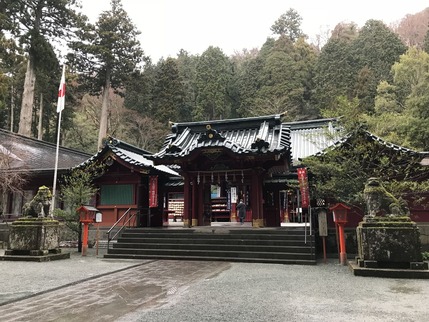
(34, 234)
(388, 241)
(351, 240)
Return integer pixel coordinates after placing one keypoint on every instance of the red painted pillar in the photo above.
(186, 201)
(343, 255)
(257, 200)
(194, 212)
(85, 238)
(200, 203)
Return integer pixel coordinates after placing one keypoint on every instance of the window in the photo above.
(118, 194)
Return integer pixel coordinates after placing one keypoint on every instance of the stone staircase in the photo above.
(285, 245)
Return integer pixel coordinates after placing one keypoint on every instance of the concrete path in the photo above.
(161, 290)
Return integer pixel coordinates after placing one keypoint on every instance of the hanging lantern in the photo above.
(226, 176)
(212, 178)
(242, 176)
(198, 178)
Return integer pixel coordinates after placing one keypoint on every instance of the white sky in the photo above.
(169, 25)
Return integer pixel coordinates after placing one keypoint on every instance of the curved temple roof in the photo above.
(130, 155)
(253, 135)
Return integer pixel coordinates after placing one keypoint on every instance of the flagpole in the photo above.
(60, 107)
(54, 187)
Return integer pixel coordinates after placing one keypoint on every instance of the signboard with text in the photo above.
(153, 191)
(303, 187)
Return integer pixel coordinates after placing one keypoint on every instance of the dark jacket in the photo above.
(241, 207)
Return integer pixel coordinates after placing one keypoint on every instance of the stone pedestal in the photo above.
(34, 237)
(258, 223)
(385, 242)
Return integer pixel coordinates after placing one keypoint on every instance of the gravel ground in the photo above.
(240, 292)
(265, 292)
(21, 279)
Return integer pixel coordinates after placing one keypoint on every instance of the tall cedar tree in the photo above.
(286, 79)
(213, 77)
(186, 64)
(37, 24)
(139, 89)
(249, 82)
(11, 62)
(289, 25)
(168, 92)
(375, 50)
(109, 53)
(334, 68)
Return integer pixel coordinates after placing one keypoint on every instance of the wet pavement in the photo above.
(92, 288)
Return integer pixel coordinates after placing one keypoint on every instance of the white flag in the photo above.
(62, 91)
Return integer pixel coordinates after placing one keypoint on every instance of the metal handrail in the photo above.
(120, 229)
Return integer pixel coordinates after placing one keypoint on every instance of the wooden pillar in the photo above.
(257, 199)
(194, 212)
(200, 203)
(186, 201)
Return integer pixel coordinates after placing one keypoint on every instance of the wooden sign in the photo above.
(234, 195)
(323, 224)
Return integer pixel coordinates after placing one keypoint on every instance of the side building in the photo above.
(131, 185)
(33, 161)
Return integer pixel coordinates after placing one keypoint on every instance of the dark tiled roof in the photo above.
(130, 155)
(253, 135)
(36, 155)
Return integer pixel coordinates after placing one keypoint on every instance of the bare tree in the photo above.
(13, 174)
(412, 28)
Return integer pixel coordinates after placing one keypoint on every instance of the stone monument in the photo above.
(35, 236)
(387, 238)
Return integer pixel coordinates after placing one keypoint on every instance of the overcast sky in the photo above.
(169, 25)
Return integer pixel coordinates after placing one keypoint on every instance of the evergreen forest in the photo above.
(375, 76)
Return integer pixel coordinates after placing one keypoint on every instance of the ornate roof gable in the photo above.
(253, 135)
(211, 134)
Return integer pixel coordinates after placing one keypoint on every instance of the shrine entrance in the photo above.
(224, 161)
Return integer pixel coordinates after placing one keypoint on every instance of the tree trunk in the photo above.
(27, 100)
(3, 209)
(39, 127)
(104, 112)
(12, 107)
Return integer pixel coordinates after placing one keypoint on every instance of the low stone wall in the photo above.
(4, 234)
(424, 235)
(351, 240)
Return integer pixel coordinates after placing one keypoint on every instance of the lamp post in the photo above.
(87, 215)
(339, 212)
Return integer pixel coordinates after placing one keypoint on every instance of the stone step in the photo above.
(217, 247)
(293, 261)
(212, 253)
(200, 235)
(207, 240)
(205, 243)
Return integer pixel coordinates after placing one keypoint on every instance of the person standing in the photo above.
(241, 207)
